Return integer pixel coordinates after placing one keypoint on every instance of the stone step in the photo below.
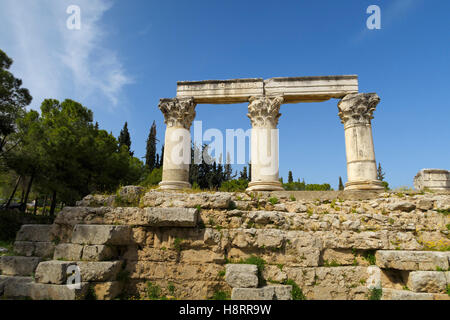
(76, 252)
(56, 272)
(18, 266)
(35, 232)
(271, 292)
(15, 286)
(101, 234)
(34, 249)
(412, 260)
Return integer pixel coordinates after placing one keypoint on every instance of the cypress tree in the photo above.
(341, 185)
(150, 154)
(290, 178)
(124, 138)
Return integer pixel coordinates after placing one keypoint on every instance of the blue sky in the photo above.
(128, 54)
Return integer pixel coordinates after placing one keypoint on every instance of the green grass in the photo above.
(448, 289)
(297, 293)
(370, 257)
(177, 244)
(375, 294)
(221, 295)
(273, 200)
(8, 245)
(333, 263)
(153, 291)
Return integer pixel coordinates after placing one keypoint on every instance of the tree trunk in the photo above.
(44, 208)
(35, 205)
(14, 192)
(25, 200)
(53, 205)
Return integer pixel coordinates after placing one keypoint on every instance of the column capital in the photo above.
(357, 108)
(178, 112)
(264, 111)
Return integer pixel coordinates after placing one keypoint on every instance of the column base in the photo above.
(264, 186)
(174, 185)
(373, 185)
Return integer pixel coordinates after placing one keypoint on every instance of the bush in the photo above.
(12, 220)
(297, 293)
(153, 178)
(234, 185)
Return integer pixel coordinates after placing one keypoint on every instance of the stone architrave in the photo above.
(356, 112)
(432, 179)
(178, 116)
(264, 113)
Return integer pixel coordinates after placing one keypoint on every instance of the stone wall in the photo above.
(332, 245)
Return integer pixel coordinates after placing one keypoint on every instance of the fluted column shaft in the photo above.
(264, 114)
(356, 112)
(178, 117)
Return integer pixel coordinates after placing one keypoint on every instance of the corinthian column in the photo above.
(356, 111)
(264, 113)
(178, 117)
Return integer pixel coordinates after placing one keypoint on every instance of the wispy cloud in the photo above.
(54, 61)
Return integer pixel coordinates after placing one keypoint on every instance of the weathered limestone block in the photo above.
(31, 248)
(17, 287)
(18, 266)
(433, 179)
(412, 260)
(98, 253)
(271, 292)
(341, 257)
(274, 273)
(374, 277)
(427, 281)
(241, 275)
(35, 232)
(339, 283)
(99, 271)
(393, 294)
(68, 251)
(129, 194)
(5, 280)
(96, 200)
(206, 200)
(71, 216)
(201, 256)
(107, 290)
(401, 206)
(53, 272)
(270, 238)
(41, 291)
(102, 234)
(425, 204)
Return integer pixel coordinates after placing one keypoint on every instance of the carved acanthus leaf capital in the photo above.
(264, 111)
(357, 108)
(178, 112)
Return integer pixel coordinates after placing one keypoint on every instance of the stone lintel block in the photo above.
(412, 260)
(220, 91)
(35, 232)
(427, 281)
(98, 252)
(68, 251)
(241, 275)
(92, 271)
(52, 272)
(18, 266)
(102, 234)
(272, 292)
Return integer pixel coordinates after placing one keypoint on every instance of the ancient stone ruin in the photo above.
(265, 98)
(265, 243)
(331, 245)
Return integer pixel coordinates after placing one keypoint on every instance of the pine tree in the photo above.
(161, 159)
(341, 185)
(124, 138)
(150, 154)
(290, 177)
(380, 173)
